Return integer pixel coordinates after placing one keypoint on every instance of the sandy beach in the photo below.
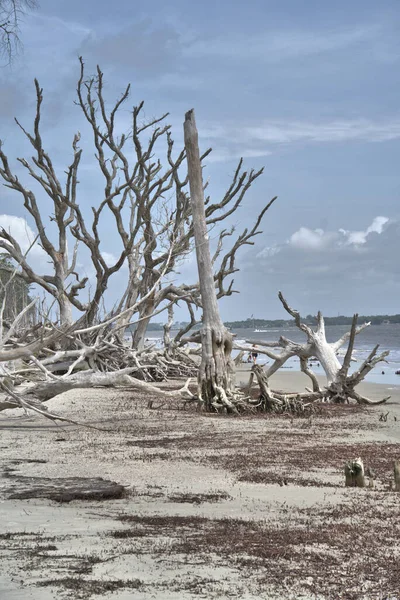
(215, 507)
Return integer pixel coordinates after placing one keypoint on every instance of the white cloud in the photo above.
(277, 46)
(360, 237)
(281, 132)
(25, 236)
(309, 239)
(110, 258)
(336, 278)
(317, 239)
(233, 141)
(225, 154)
(268, 252)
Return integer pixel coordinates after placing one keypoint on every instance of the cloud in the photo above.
(232, 140)
(278, 46)
(226, 153)
(330, 271)
(280, 132)
(141, 46)
(360, 237)
(25, 236)
(306, 239)
(13, 98)
(110, 258)
(287, 132)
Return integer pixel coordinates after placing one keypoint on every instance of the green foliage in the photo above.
(259, 323)
(13, 289)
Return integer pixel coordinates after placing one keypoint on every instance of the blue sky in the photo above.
(308, 89)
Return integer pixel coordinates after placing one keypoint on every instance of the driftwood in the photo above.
(340, 386)
(278, 402)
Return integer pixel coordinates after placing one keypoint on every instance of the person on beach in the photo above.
(254, 353)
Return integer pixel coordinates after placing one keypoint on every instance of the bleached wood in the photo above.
(216, 372)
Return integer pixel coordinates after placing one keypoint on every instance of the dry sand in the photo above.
(216, 507)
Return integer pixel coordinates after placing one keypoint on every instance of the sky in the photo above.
(309, 90)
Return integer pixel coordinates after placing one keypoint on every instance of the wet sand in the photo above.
(294, 381)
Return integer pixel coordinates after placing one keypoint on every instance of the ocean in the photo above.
(387, 336)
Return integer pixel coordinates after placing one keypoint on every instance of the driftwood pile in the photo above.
(46, 361)
(340, 386)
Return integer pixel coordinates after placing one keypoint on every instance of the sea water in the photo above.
(387, 336)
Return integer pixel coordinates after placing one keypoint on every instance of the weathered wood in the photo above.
(340, 385)
(354, 473)
(216, 372)
(49, 389)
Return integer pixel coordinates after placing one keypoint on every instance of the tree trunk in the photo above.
(145, 314)
(216, 373)
(325, 352)
(65, 310)
(340, 385)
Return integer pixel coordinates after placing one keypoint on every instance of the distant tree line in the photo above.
(311, 320)
(277, 323)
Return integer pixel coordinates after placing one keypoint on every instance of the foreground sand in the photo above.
(217, 507)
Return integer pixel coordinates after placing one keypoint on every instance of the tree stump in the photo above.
(354, 473)
(396, 471)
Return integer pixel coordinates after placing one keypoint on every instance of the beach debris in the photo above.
(341, 385)
(61, 489)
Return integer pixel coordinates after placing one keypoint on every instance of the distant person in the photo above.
(254, 354)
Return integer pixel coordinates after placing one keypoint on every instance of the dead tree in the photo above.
(151, 210)
(58, 282)
(340, 386)
(216, 373)
(216, 388)
(157, 201)
(11, 13)
(148, 201)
